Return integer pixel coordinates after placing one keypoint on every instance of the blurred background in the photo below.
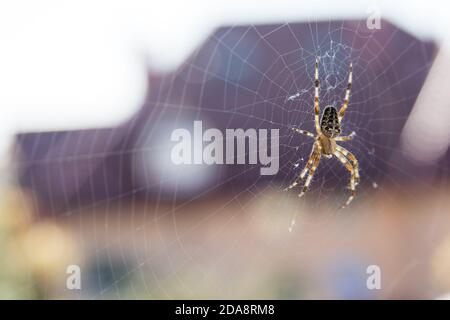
(90, 92)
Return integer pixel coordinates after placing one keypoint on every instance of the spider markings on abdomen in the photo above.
(327, 134)
(330, 125)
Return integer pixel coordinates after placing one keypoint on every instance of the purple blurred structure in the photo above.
(240, 77)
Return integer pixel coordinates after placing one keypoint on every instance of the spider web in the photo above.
(255, 76)
(267, 83)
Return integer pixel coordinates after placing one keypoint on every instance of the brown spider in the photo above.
(328, 131)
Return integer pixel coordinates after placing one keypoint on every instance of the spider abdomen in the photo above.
(329, 124)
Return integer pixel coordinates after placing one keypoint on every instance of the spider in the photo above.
(328, 133)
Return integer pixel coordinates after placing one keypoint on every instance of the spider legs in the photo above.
(310, 175)
(347, 93)
(351, 164)
(307, 167)
(302, 175)
(350, 156)
(316, 96)
(306, 133)
(350, 168)
(345, 138)
(310, 167)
